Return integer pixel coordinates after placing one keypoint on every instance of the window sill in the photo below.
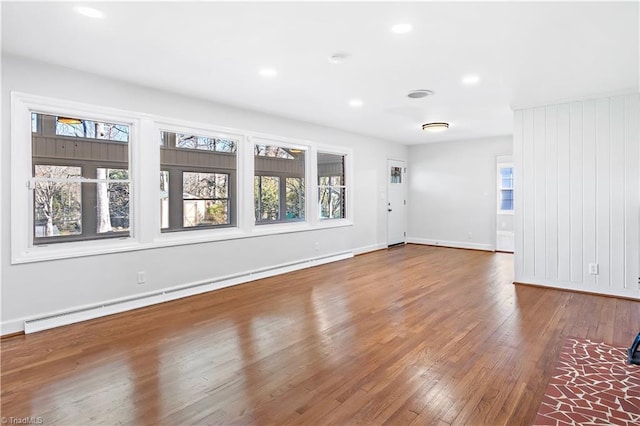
(73, 250)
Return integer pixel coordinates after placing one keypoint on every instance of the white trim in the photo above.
(22, 247)
(114, 306)
(623, 92)
(502, 164)
(581, 287)
(368, 249)
(348, 184)
(453, 244)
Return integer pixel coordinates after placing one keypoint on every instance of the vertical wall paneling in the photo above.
(589, 189)
(616, 211)
(578, 195)
(540, 190)
(575, 197)
(564, 194)
(528, 210)
(551, 120)
(603, 190)
(632, 192)
(518, 224)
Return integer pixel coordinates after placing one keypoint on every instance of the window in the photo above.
(82, 182)
(279, 184)
(505, 189)
(197, 181)
(331, 186)
(80, 179)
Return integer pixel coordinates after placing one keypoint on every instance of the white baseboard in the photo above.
(454, 244)
(581, 287)
(367, 249)
(87, 312)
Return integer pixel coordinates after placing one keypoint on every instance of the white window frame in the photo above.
(348, 205)
(500, 188)
(281, 226)
(208, 233)
(144, 170)
(23, 248)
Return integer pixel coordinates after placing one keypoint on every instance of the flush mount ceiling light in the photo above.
(355, 103)
(420, 93)
(89, 11)
(435, 127)
(268, 72)
(401, 28)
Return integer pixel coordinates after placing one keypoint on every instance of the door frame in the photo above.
(394, 162)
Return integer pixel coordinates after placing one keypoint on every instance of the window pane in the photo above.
(203, 143)
(164, 199)
(267, 198)
(34, 122)
(78, 127)
(205, 199)
(506, 199)
(295, 198)
(58, 205)
(396, 175)
(506, 177)
(275, 151)
(112, 201)
(204, 212)
(201, 170)
(331, 201)
(279, 185)
(331, 191)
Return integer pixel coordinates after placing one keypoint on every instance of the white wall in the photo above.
(452, 192)
(33, 289)
(578, 195)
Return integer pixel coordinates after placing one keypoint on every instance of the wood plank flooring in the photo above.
(412, 335)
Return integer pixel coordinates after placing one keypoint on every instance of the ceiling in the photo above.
(524, 54)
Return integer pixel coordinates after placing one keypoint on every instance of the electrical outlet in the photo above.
(593, 268)
(141, 277)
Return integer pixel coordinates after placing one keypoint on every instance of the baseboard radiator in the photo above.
(73, 316)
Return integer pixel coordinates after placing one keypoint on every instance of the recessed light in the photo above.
(356, 103)
(401, 28)
(420, 93)
(470, 80)
(435, 127)
(338, 58)
(90, 12)
(268, 72)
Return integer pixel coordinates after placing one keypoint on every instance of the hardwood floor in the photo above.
(411, 335)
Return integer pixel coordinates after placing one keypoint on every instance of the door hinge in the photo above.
(405, 202)
(405, 234)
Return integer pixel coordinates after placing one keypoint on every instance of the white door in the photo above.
(504, 217)
(395, 202)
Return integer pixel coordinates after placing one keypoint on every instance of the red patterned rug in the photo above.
(592, 384)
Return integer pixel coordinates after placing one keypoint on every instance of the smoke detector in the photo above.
(420, 93)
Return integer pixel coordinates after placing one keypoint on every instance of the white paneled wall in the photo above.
(577, 195)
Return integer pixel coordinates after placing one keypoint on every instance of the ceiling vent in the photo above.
(421, 93)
